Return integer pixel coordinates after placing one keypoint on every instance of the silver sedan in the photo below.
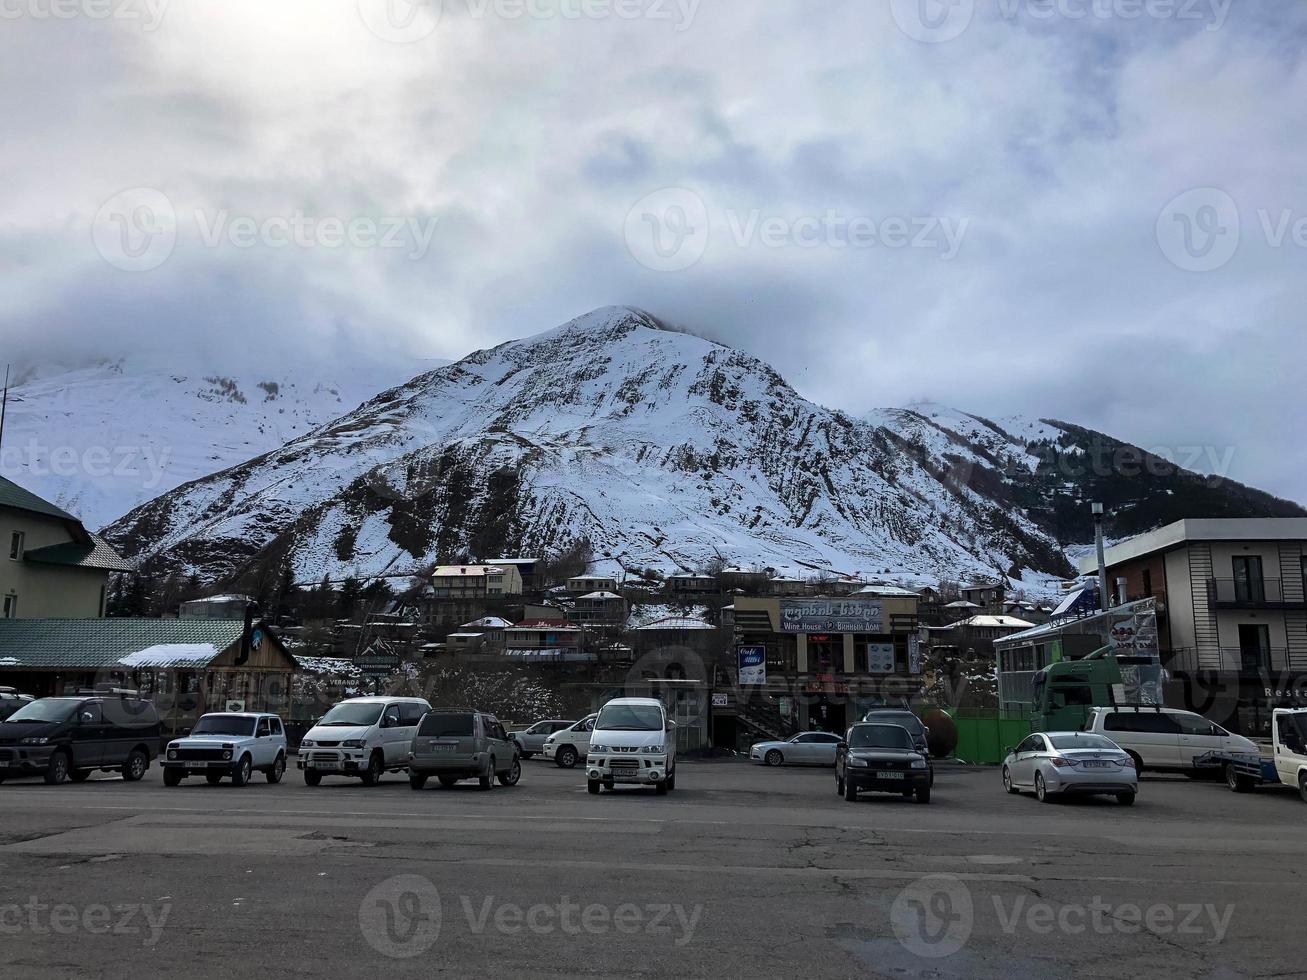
(804, 749)
(1057, 763)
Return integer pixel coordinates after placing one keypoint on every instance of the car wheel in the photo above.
(312, 777)
(1125, 799)
(134, 768)
(376, 766)
(850, 793)
(241, 774)
(1302, 786)
(527, 755)
(1237, 781)
(671, 781)
(839, 785)
(172, 777)
(213, 778)
(278, 769)
(416, 780)
(773, 757)
(923, 795)
(1041, 791)
(1007, 782)
(56, 772)
(566, 757)
(448, 781)
(592, 787)
(511, 777)
(661, 788)
(608, 785)
(79, 775)
(487, 779)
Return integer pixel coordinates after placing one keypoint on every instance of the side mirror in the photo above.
(1009, 750)
(842, 747)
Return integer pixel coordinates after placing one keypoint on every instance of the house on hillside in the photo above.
(599, 609)
(51, 565)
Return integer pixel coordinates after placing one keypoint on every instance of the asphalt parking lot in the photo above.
(741, 871)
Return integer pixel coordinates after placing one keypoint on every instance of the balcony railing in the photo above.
(1226, 660)
(1267, 593)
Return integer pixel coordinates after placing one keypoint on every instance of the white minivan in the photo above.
(1164, 738)
(361, 737)
(633, 741)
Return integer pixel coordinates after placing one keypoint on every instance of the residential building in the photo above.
(216, 607)
(599, 609)
(582, 584)
(545, 641)
(988, 595)
(1232, 600)
(50, 565)
(691, 584)
(475, 581)
(529, 569)
(973, 638)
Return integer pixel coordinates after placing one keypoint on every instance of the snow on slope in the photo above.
(102, 439)
(661, 447)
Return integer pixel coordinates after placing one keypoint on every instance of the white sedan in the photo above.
(1054, 764)
(804, 749)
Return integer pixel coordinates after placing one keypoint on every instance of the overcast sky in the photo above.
(1094, 210)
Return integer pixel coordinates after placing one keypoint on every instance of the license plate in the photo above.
(1096, 765)
(197, 765)
(322, 765)
(437, 747)
(889, 775)
(4, 763)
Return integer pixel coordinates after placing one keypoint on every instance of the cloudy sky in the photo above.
(1093, 210)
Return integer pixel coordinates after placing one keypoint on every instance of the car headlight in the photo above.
(600, 748)
(34, 740)
(859, 763)
(918, 763)
(308, 743)
(172, 753)
(654, 749)
(226, 753)
(353, 743)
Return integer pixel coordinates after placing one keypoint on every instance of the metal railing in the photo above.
(1228, 660)
(1264, 593)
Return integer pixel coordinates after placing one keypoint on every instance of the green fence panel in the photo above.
(985, 738)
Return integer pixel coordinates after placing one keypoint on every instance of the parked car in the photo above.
(361, 737)
(569, 746)
(68, 738)
(11, 701)
(232, 743)
(1287, 766)
(633, 741)
(1071, 763)
(881, 758)
(804, 749)
(908, 719)
(1165, 739)
(531, 741)
(458, 743)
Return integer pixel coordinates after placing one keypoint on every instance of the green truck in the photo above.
(1065, 691)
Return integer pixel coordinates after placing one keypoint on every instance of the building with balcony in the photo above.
(1232, 610)
(581, 584)
(599, 609)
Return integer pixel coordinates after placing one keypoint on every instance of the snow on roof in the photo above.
(231, 597)
(676, 623)
(488, 623)
(454, 571)
(464, 636)
(961, 604)
(601, 595)
(886, 590)
(1007, 622)
(171, 655)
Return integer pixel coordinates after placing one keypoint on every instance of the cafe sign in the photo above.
(831, 616)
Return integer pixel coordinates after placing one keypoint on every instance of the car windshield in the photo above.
(904, 718)
(47, 709)
(630, 718)
(223, 725)
(1079, 741)
(350, 715)
(879, 737)
(446, 724)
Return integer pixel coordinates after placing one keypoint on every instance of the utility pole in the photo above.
(1104, 602)
(4, 404)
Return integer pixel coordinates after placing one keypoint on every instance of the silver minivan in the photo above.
(461, 743)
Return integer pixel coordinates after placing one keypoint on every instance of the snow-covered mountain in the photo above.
(662, 448)
(101, 439)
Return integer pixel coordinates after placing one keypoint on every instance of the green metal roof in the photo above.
(94, 644)
(98, 554)
(12, 495)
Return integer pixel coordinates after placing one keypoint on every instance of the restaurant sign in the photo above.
(831, 616)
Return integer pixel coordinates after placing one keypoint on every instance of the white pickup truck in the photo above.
(1287, 766)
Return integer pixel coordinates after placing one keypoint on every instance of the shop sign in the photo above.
(751, 662)
(880, 658)
(831, 616)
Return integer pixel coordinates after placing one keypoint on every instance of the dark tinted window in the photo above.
(129, 712)
(1196, 725)
(880, 737)
(904, 718)
(1154, 723)
(411, 714)
(447, 724)
(224, 725)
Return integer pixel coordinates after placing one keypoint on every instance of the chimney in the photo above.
(1120, 590)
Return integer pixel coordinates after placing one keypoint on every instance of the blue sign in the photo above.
(752, 664)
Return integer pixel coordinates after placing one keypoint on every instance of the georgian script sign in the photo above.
(831, 616)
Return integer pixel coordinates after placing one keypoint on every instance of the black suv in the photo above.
(11, 701)
(71, 737)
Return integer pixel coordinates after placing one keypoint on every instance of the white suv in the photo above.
(633, 742)
(228, 743)
(361, 737)
(570, 745)
(1164, 738)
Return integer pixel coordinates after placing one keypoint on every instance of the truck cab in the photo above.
(1289, 732)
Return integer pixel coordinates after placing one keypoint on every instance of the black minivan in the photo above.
(67, 738)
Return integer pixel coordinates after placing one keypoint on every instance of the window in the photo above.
(10, 607)
(410, 713)
(447, 724)
(16, 546)
(1153, 723)
(1248, 584)
(276, 726)
(89, 713)
(265, 728)
(1148, 581)
(1197, 725)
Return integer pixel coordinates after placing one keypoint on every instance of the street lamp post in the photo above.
(1103, 600)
